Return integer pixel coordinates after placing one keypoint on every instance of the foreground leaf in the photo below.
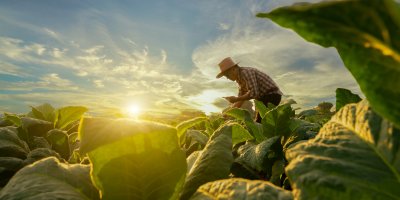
(355, 155)
(238, 188)
(212, 163)
(367, 37)
(133, 159)
(49, 179)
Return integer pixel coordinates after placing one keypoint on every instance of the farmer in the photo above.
(253, 84)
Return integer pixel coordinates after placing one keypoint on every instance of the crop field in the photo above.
(350, 150)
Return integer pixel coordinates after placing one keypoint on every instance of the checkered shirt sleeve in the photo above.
(257, 82)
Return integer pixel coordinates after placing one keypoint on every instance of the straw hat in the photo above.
(224, 65)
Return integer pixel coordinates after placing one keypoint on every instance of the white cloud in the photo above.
(223, 26)
(305, 71)
(11, 69)
(98, 83)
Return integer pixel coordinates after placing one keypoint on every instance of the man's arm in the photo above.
(238, 101)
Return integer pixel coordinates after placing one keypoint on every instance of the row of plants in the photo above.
(349, 153)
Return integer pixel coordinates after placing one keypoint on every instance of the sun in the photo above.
(134, 110)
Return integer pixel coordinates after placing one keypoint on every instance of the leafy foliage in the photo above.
(367, 37)
(212, 163)
(241, 189)
(355, 156)
(49, 179)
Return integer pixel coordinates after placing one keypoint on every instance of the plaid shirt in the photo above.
(258, 83)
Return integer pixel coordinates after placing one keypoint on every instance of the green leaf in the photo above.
(356, 155)
(43, 112)
(40, 153)
(35, 127)
(68, 115)
(15, 119)
(59, 142)
(255, 128)
(11, 145)
(237, 188)
(39, 142)
(133, 159)
(183, 126)
(276, 121)
(213, 163)
(96, 132)
(49, 179)
(258, 158)
(8, 167)
(345, 96)
(367, 37)
(261, 108)
(240, 134)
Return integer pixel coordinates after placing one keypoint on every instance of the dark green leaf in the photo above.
(11, 145)
(367, 37)
(345, 96)
(40, 153)
(48, 179)
(238, 188)
(59, 142)
(36, 127)
(355, 155)
(258, 158)
(213, 163)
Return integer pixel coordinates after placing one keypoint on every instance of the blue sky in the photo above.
(160, 55)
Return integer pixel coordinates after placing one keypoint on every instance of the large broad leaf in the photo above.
(40, 153)
(276, 121)
(237, 188)
(213, 163)
(11, 145)
(43, 112)
(183, 126)
(133, 159)
(240, 134)
(35, 127)
(255, 128)
(256, 160)
(67, 115)
(13, 118)
(49, 179)
(356, 155)
(345, 96)
(367, 37)
(59, 142)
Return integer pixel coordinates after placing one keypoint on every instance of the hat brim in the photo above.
(223, 72)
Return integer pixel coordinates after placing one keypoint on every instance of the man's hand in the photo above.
(231, 99)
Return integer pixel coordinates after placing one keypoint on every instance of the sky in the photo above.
(161, 56)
